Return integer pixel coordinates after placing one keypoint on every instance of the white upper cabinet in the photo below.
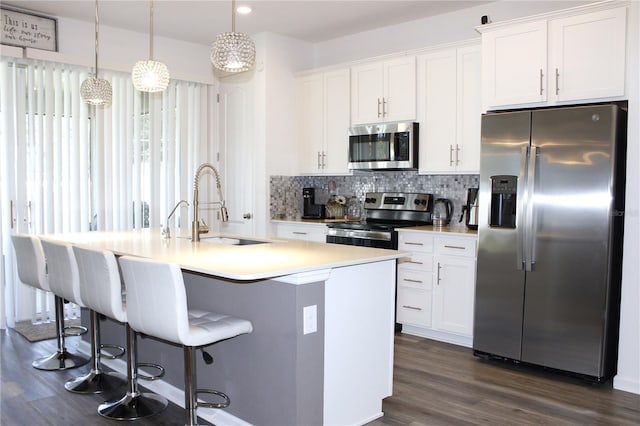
(556, 60)
(323, 121)
(384, 91)
(449, 106)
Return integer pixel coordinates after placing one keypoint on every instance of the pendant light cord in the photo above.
(233, 16)
(151, 30)
(97, 23)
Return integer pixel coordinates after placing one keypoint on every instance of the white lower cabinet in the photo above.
(300, 231)
(436, 286)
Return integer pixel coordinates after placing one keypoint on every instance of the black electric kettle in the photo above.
(470, 209)
(440, 217)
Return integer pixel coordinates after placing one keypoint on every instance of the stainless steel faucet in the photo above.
(196, 228)
(166, 232)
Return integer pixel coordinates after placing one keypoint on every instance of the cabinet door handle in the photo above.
(438, 274)
(415, 308)
(409, 280)
(457, 155)
(414, 262)
(384, 107)
(299, 233)
(541, 78)
(455, 247)
(409, 243)
(319, 160)
(557, 78)
(379, 107)
(324, 160)
(11, 215)
(450, 155)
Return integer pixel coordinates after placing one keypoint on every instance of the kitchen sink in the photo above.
(231, 241)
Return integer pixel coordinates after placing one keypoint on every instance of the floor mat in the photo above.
(41, 331)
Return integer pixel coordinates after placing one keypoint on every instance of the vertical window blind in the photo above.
(67, 166)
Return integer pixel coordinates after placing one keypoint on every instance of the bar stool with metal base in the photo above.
(31, 270)
(157, 306)
(101, 267)
(64, 280)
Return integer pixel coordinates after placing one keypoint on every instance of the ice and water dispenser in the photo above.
(503, 201)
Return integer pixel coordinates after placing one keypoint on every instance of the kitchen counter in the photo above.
(315, 309)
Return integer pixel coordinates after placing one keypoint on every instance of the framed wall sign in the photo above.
(26, 29)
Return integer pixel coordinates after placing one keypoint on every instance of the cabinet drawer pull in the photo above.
(409, 280)
(415, 308)
(455, 247)
(413, 244)
(299, 233)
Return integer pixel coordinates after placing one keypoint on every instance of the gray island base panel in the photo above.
(337, 373)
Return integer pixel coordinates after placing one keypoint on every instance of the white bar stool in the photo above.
(64, 280)
(157, 306)
(104, 295)
(32, 272)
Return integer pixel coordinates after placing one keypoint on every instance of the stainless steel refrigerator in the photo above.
(550, 237)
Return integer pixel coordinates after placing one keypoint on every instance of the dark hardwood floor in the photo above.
(434, 384)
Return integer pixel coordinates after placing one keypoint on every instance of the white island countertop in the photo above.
(237, 262)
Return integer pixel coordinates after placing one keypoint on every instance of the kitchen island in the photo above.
(323, 316)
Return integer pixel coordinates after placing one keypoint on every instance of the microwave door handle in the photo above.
(521, 194)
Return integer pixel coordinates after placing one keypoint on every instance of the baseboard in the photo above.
(627, 385)
(169, 391)
(455, 339)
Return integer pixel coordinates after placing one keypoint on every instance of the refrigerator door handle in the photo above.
(530, 231)
(520, 214)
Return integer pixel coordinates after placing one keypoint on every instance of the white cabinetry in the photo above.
(449, 108)
(436, 285)
(300, 231)
(324, 100)
(384, 91)
(556, 60)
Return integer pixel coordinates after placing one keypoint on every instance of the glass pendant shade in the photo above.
(233, 52)
(96, 91)
(150, 76)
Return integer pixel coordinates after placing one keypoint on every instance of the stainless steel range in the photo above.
(384, 211)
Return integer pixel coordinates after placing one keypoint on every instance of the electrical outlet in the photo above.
(310, 319)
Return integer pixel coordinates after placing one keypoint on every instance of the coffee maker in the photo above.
(470, 209)
(311, 210)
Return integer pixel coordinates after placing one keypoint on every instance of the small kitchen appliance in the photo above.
(470, 209)
(310, 208)
(442, 211)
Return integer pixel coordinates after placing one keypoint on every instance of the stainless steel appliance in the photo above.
(311, 209)
(442, 211)
(384, 211)
(386, 146)
(550, 237)
(470, 209)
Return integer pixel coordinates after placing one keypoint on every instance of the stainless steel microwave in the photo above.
(385, 146)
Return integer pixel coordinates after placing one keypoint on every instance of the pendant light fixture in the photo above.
(232, 51)
(150, 75)
(94, 90)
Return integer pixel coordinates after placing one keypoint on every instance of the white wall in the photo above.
(120, 49)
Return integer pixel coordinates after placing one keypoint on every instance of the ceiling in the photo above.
(200, 21)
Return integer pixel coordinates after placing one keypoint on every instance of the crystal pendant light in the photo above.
(94, 90)
(150, 75)
(232, 51)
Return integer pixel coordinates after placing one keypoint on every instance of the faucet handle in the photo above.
(203, 228)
